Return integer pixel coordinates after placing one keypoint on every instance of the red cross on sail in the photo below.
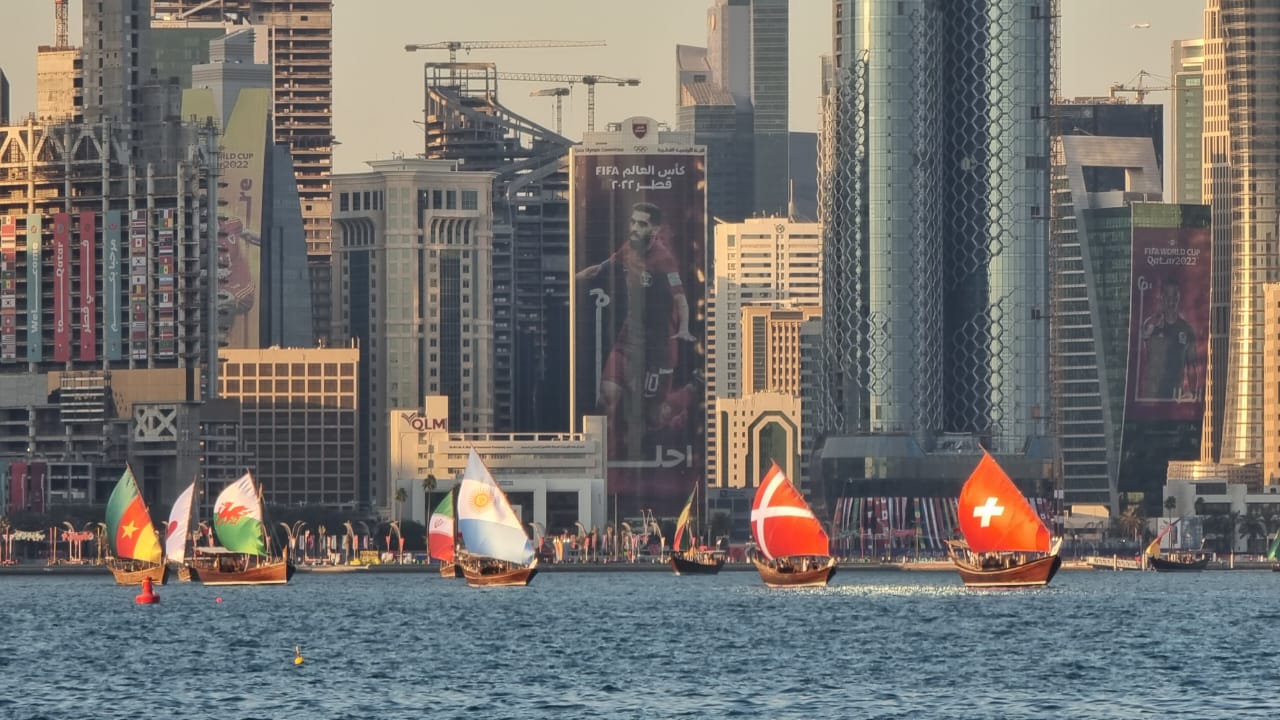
(782, 523)
(994, 514)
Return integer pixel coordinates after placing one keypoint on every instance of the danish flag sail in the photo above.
(994, 514)
(782, 524)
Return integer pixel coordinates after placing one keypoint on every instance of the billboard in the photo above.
(638, 230)
(1168, 324)
(241, 167)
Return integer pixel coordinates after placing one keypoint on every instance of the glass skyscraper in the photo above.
(934, 198)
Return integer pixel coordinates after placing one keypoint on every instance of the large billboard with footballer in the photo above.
(1168, 324)
(638, 231)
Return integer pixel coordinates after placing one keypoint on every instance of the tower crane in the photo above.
(557, 93)
(589, 80)
(453, 46)
(1138, 87)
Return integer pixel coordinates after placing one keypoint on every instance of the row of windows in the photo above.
(294, 369)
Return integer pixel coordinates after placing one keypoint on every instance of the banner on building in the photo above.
(8, 289)
(1168, 324)
(88, 286)
(61, 287)
(241, 167)
(138, 290)
(638, 228)
(111, 246)
(166, 309)
(35, 300)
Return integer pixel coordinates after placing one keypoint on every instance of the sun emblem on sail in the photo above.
(481, 500)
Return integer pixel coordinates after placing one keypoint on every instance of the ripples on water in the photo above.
(645, 645)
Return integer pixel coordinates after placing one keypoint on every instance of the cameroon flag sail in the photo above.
(129, 528)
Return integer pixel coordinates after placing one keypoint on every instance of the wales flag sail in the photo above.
(129, 528)
(237, 518)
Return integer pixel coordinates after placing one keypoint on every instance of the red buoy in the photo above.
(148, 595)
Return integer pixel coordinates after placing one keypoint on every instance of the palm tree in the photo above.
(1132, 522)
(1253, 528)
(428, 487)
(401, 496)
(1170, 504)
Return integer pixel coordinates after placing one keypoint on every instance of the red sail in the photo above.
(782, 524)
(994, 515)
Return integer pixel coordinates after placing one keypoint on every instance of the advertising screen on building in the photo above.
(1168, 324)
(639, 259)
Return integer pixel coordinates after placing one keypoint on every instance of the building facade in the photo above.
(1186, 122)
(414, 290)
(934, 206)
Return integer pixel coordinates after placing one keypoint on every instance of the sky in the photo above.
(378, 85)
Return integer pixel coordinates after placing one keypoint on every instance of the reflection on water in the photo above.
(644, 645)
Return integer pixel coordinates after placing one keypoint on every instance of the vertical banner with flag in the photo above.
(166, 288)
(138, 272)
(35, 300)
(61, 287)
(8, 288)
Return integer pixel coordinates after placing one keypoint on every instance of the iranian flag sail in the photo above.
(129, 528)
(237, 518)
(440, 537)
(175, 535)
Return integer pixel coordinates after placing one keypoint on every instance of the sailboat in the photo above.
(175, 535)
(1181, 561)
(692, 560)
(795, 548)
(1272, 553)
(1006, 544)
(442, 537)
(498, 551)
(243, 558)
(136, 554)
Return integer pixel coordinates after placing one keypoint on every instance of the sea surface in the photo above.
(645, 645)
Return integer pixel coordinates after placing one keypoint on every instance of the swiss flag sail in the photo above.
(782, 524)
(994, 515)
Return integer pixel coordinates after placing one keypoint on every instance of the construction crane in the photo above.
(558, 93)
(1137, 86)
(589, 80)
(61, 29)
(453, 46)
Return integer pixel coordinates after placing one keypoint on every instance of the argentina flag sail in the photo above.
(486, 520)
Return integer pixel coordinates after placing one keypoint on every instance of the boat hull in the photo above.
(450, 570)
(1033, 573)
(486, 572)
(129, 572)
(1166, 565)
(274, 572)
(696, 563)
(792, 573)
(184, 573)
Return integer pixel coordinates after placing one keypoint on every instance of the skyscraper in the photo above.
(1187, 121)
(934, 205)
(1240, 176)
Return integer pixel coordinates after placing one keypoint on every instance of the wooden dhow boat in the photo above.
(792, 548)
(692, 560)
(1006, 544)
(244, 557)
(498, 548)
(175, 534)
(1176, 561)
(136, 554)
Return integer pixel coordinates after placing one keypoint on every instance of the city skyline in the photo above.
(361, 41)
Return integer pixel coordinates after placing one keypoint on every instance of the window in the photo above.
(344, 203)
(469, 200)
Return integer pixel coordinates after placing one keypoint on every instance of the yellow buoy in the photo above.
(297, 654)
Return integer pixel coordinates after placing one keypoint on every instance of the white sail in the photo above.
(486, 520)
(175, 534)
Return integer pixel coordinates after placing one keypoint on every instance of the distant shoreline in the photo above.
(34, 569)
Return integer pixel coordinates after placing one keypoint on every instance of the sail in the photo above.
(175, 535)
(1154, 548)
(129, 528)
(440, 536)
(995, 516)
(486, 520)
(782, 524)
(1275, 548)
(682, 522)
(237, 518)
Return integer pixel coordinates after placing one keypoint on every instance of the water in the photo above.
(645, 645)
